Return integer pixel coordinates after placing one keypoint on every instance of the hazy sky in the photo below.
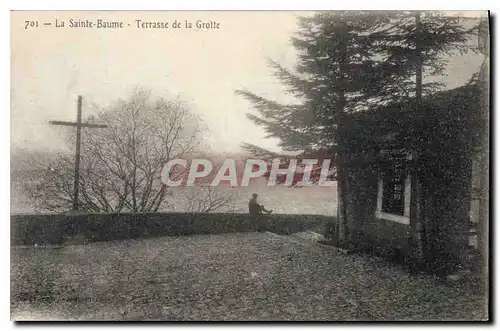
(51, 66)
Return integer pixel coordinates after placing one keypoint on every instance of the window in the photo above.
(393, 197)
(393, 188)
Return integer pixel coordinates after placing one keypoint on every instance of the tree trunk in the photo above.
(415, 216)
(342, 231)
(341, 217)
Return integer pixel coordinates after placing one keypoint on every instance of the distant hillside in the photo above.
(23, 163)
(307, 200)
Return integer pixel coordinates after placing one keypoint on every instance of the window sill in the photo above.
(392, 217)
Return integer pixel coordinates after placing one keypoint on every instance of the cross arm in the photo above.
(83, 125)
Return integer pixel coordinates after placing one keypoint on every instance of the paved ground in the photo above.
(253, 276)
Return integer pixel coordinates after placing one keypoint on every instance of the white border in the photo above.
(250, 5)
(192, 5)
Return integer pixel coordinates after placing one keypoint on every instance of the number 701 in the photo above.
(30, 24)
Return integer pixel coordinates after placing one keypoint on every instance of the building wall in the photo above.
(444, 204)
(378, 236)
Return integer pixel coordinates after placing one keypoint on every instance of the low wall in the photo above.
(57, 229)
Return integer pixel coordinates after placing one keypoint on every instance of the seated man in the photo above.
(254, 208)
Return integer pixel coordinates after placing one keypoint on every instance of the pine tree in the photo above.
(334, 65)
(350, 62)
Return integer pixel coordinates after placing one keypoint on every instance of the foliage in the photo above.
(351, 62)
(121, 164)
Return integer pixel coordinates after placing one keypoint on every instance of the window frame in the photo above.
(382, 215)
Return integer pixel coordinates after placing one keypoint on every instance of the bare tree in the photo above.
(121, 165)
(205, 199)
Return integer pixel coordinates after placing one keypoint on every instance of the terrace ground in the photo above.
(239, 276)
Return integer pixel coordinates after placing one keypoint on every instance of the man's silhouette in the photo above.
(254, 208)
